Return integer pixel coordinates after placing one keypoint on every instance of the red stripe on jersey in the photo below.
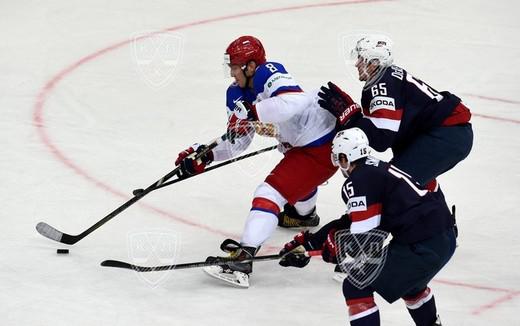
(371, 211)
(265, 204)
(387, 114)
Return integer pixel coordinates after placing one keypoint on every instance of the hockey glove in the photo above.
(293, 252)
(239, 123)
(245, 111)
(187, 163)
(339, 103)
(328, 252)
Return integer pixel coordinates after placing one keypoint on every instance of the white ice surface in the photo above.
(69, 149)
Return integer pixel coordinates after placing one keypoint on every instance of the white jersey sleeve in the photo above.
(282, 107)
(226, 150)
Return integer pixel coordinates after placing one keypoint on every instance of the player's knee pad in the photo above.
(268, 199)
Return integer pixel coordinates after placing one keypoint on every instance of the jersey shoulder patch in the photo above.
(271, 79)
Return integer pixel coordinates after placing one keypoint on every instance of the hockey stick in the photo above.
(50, 232)
(239, 158)
(121, 264)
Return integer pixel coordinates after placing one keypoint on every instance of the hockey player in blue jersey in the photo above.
(265, 99)
(428, 131)
(381, 199)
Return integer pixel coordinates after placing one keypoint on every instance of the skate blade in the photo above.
(236, 279)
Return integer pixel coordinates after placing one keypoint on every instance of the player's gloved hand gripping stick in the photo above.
(213, 167)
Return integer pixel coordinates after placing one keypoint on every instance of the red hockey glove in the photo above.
(339, 103)
(328, 252)
(239, 123)
(187, 163)
(293, 251)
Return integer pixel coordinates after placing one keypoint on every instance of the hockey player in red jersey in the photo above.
(265, 99)
(381, 199)
(428, 131)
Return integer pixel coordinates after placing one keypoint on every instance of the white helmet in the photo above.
(352, 143)
(374, 47)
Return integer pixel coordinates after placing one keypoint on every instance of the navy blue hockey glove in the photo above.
(293, 252)
(339, 103)
(187, 163)
(239, 123)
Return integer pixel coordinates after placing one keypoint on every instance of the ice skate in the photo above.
(234, 273)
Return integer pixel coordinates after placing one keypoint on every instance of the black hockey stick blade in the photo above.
(117, 264)
(49, 232)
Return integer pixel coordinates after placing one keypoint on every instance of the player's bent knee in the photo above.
(265, 205)
(352, 292)
(265, 194)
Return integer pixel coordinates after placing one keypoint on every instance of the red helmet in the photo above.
(244, 49)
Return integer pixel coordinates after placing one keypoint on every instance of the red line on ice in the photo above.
(472, 286)
(495, 118)
(495, 99)
(50, 85)
(510, 296)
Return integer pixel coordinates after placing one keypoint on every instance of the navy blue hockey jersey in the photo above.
(378, 195)
(397, 107)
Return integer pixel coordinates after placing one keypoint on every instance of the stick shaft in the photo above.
(121, 264)
(216, 166)
(53, 234)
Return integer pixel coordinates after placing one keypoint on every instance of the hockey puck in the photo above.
(137, 192)
(62, 251)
